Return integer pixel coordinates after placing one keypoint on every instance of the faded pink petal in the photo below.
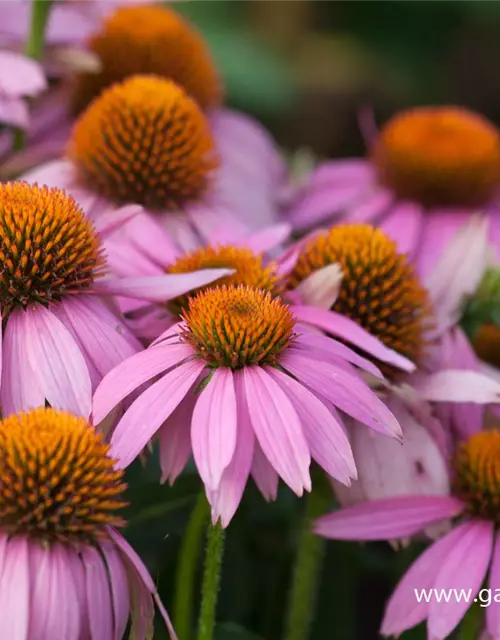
(213, 427)
(146, 414)
(131, 373)
(14, 590)
(13, 111)
(57, 361)
(119, 588)
(277, 428)
(19, 75)
(264, 474)
(387, 519)
(175, 440)
(464, 567)
(455, 385)
(322, 287)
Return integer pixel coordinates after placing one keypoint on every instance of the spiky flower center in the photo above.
(48, 247)
(439, 156)
(249, 269)
(379, 289)
(477, 474)
(150, 40)
(146, 141)
(238, 326)
(57, 481)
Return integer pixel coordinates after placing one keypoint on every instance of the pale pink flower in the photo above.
(242, 385)
(60, 334)
(20, 78)
(461, 559)
(66, 572)
(426, 172)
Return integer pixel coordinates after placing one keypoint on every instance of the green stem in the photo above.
(306, 573)
(470, 627)
(186, 568)
(211, 581)
(39, 15)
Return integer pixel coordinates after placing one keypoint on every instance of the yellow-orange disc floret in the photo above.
(150, 40)
(379, 289)
(238, 326)
(439, 156)
(249, 269)
(57, 481)
(144, 141)
(48, 247)
(476, 479)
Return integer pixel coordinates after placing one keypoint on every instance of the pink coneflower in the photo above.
(60, 336)
(66, 571)
(426, 172)
(459, 560)
(251, 383)
(156, 41)
(20, 78)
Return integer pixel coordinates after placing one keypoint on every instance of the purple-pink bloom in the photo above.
(459, 560)
(66, 572)
(242, 386)
(426, 172)
(20, 78)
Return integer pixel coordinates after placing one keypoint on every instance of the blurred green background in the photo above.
(305, 68)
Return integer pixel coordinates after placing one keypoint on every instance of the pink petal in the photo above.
(346, 391)
(120, 595)
(372, 208)
(213, 427)
(403, 225)
(403, 610)
(111, 221)
(14, 112)
(14, 590)
(60, 367)
(464, 567)
(19, 75)
(342, 327)
(226, 498)
(161, 288)
(325, 437)
(387, 519)
(322, 203)
(175, 440)
(493, 611)
(151, 238)
(322, 287)
(268, 238)
(104, 339)
(264, 474)
(98, 594)
(132, 373)
(351, 171)
(146, 414)
(20, 390)
(277, 428)
(454, 385)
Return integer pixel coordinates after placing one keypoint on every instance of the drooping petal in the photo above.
(59, 364)
(226, 498)
(20, 389)
(14, 590)
(403, 610)
(120, 595)
(264, 474)
(346, 391)
(130, 374)
(371, 209)
(146, 414)
(493, 611)
(327, 441)
(387, 519)
(213, 427)
(268, 238)
(403, 225)
(452, 385)
(14, 112)
(322, 287)
(464, 567)
(111, 221)
(277, 428)
(346, 329)
(175, 440)
(99, 601)
(322, 203)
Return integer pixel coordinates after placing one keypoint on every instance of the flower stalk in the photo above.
(211, 581)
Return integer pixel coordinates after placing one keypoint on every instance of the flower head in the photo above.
(150, 39)
(144, 140)
(250, 381)
(60, 496)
